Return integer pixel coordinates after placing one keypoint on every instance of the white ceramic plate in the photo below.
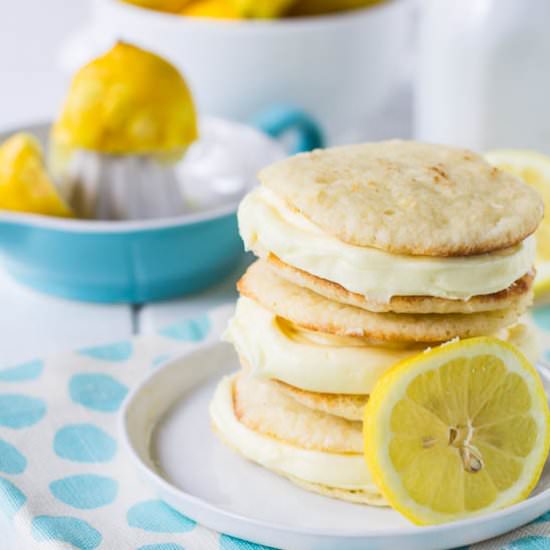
(166, 429)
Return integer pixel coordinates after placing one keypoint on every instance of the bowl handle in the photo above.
(282, 119)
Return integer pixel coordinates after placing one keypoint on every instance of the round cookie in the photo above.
(262, 408)
(312, 311)
(508, 298)
(408, 198)
(368, 498)
(338, 475)
(350, 407)
(355, 497)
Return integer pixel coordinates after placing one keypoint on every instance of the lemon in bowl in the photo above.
(262, 9)
(237, 9)
(322, 7)
(172, 6)
(216, 9)
(253, 9)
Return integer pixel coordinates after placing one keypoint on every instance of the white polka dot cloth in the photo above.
(64, 482)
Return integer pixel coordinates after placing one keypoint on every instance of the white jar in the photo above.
(483, 79)
(340, 68)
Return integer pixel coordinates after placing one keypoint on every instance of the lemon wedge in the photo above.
(457, 431)
(24, 183)
(218, 9)
(534, 169)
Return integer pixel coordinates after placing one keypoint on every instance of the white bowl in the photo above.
(338, 67)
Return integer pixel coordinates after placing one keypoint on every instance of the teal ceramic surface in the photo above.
(133, 262)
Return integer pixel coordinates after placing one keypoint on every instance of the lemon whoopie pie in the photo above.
(369, 257)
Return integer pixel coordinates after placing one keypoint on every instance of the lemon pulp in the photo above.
(457, 431)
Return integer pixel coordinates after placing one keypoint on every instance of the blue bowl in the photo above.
(108, 262)
(133, 262)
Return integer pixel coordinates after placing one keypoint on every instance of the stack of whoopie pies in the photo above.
(368, 255)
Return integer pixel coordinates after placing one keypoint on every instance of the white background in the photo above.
(31, 35)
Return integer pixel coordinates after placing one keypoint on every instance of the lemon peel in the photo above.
(128, 101)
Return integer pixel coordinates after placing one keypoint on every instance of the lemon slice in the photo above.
(24, 184)
(534, 169)
(457, 431)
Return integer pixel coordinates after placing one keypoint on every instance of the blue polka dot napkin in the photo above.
(64, 482)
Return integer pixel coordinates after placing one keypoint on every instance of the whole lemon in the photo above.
(262, 9)
(218, 9)
(320, 7)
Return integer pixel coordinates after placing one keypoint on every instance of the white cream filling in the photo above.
(342, 471)
(324, 363)
(265, 220)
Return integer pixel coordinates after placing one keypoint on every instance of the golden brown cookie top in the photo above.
(408, 198)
